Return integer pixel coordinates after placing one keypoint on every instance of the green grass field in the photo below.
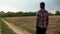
(5, 29)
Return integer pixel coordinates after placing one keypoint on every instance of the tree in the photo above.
(57, 13)
(10, 14)
(19, 13)
(50, 13)
(2, 14)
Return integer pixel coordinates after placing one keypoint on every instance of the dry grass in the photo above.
(29, 22)
(54, 25)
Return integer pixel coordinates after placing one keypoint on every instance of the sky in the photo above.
(28, 5)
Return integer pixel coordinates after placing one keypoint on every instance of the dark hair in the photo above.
(42, 5)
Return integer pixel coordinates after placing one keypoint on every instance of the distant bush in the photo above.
(50, 13)
(2, 14)
(57, 13)
(18, 14)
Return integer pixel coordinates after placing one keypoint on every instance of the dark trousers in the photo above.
(40, 30)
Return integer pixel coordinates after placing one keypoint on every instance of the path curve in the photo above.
(15, 28)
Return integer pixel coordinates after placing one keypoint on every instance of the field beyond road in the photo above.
(29, 23)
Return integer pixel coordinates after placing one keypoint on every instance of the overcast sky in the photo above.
(28, 5)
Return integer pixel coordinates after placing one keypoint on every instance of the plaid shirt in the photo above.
(42, 18)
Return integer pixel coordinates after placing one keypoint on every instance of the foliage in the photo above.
(5, 29)
(50, 13)
(2, 14)
(18, 14)
(57, 13)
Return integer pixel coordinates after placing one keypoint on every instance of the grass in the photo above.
(28, 23)
(24, 27)
(0, 28)
(5, 29)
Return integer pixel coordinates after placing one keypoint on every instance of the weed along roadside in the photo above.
(20, 23)
(15, 28)
(5, 29)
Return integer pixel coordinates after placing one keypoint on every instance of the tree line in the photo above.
(20, 13)
(17, 14)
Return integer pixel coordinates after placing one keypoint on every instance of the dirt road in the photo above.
(15, 28)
